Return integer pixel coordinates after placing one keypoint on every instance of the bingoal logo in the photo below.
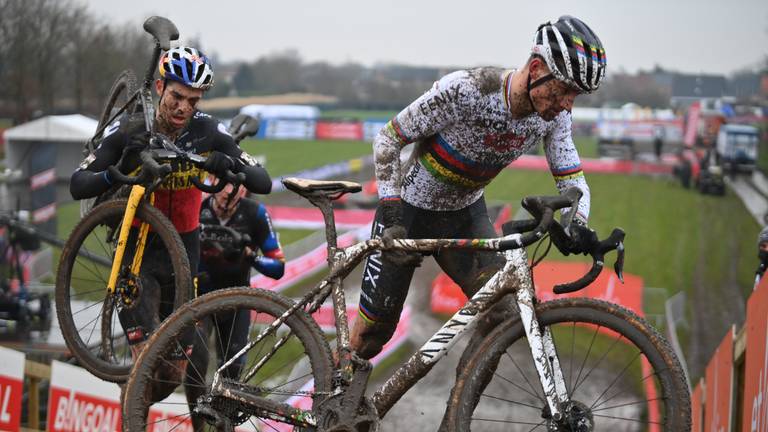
(78, 412)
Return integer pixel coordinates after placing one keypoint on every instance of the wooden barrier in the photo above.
(35, 373)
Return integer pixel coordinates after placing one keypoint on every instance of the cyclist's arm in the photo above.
(564, 162)
(91, 179)
(257, 178)
(423, 118)
(271, 262)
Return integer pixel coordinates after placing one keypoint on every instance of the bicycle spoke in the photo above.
(511, 401)
(534, 393)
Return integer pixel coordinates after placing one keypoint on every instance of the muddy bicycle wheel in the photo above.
(620, 374)
(294, 365)
(89, 315)
(119, 95)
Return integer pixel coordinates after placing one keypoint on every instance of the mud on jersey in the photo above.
(465, 135)
(177, 197)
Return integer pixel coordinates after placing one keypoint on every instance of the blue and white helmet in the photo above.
(187, 66)
(572, 51)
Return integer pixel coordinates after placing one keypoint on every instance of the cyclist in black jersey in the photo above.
(185, 75)
(468, 127)
(225, 264)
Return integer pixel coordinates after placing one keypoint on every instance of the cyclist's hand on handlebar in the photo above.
(399, 258)
(138, 142)
(218, 164)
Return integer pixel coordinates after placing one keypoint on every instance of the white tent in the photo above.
(75, 127)
(41, 152)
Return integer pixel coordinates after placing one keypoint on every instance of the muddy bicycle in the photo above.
(103, 268)
(575, 364)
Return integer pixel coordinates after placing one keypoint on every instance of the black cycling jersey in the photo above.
(226, 269)
(177, 197)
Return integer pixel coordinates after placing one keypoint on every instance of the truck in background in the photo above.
(737, 147)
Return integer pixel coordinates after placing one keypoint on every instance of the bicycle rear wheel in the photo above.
(122, 90)
(295, 364)
(87, 313)
(118, 97)
(619, 372)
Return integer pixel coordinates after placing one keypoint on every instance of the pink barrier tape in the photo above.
(604, 166)
(303, 266)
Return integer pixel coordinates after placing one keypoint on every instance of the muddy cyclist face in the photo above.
(552, 98)
(177, 104)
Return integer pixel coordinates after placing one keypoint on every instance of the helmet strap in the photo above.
(532, 85)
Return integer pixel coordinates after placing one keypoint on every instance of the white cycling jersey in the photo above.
(465, 135)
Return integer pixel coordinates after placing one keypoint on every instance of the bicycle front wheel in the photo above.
(87, 312)
(619, 372)
(289, 365)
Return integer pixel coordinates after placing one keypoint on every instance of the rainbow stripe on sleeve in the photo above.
(393, 127)
(567, 173)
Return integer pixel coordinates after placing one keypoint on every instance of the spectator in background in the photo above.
(762, 254)
(658, 140)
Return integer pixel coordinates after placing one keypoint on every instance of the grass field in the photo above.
(289, 156)
(671, 232)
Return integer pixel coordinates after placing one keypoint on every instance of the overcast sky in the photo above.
(699, 36)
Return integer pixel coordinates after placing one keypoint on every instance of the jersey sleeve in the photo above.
(90, 178)
(424, 117)
(564, 162)
(257, 178)
(271, 262)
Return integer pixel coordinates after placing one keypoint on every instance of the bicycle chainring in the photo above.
(334, 417)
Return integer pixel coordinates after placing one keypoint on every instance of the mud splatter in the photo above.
(465, 136)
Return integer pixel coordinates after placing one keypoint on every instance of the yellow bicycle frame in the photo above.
(134, 200)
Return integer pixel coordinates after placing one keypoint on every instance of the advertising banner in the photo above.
(11, 389)
(290, 129)
(371, 127)
(719, 385)
(755, 414)
(339, 130)
(80, 402)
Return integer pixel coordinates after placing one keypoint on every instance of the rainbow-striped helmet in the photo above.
(572, 51)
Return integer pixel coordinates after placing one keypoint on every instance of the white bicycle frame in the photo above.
(514, 277)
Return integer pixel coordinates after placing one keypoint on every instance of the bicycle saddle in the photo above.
(333, 188)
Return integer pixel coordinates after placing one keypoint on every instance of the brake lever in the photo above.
(618, 266)
(615, 241)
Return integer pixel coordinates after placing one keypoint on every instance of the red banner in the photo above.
(448, 298)
(696, 414)
(11, 393)
(339, 130)
(77, 412)
(755, 414)
(719, 384)
(11, 389)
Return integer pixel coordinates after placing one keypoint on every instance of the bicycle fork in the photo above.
(540, 341)
(134, 200)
